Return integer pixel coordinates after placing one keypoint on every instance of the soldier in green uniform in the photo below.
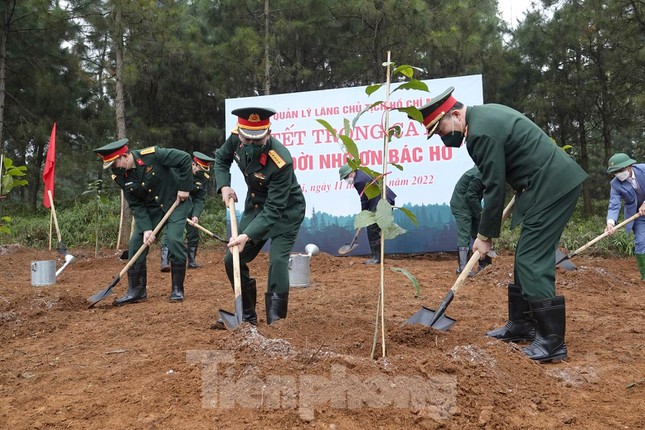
(507, 147)
(201, 166)
(274, 207)
(152, 179)
(466, 208)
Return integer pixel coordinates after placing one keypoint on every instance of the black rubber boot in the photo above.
(177, 278)
(276, 306)
(191, 253)
(462, 256)
(249, 299)
(519, 327)
(550, 326)
(375, 248)
(165, 265)
(137, 279)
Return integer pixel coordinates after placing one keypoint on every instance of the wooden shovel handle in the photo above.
(235, 251)
(605, 234)
(475, 257)
(144, 246)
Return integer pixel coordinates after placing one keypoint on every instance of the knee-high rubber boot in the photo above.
(137, 279)
(550, 326)
(640, 258)
(276, 306)
(165, 265)
(462, 256)
(375, 248)
(519, 327)
(178, 276)
(249, 298)
(191, 253)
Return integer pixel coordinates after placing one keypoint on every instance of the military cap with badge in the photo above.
(434, 111)
(253, 122)
(112, 151)
(203, 160)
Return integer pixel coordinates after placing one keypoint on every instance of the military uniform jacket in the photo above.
(157, 175)
(508, 147)
(274, 200)
(625, 191)
(468, 193)
(361, 180)
(199, 192)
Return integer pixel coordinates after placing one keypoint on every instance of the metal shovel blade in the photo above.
(562, 260)
(347, 248)
(424, 316)
(232, 320)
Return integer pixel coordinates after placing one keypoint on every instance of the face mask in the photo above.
(454, 139)
(252, 149)
(350, 181)
(622, 176)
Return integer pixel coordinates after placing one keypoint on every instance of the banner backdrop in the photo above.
(424, 186)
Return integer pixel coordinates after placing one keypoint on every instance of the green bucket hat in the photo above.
(344, 171)
(618, 162)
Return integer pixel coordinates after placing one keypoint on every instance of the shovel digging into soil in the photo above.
(233, 320)
(349, 247)
(437, 319)
(97, 297)
(562, 260)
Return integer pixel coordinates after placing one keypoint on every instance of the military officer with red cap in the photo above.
(508, 148)
(274, 207)
(152, 179)
(201, 166)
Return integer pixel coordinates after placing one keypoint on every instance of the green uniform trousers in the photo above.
(279, 254)
(174, 233)
(535, 253)
(467, 226)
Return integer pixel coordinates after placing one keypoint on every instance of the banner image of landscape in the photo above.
(424, 186)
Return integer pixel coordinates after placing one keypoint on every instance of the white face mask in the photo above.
(622, 176)
(350, 181)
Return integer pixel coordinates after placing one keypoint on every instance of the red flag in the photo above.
(48, 171)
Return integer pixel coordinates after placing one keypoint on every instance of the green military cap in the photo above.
(618, 162)
(344, 171)
(253, 122)
(436, 109)
(203, 160)
(110, 152)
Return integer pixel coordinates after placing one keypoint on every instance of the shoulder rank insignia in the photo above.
(234, 131)
(276, 159)
(148, 150)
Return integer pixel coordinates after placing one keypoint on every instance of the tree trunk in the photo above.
(125, 221)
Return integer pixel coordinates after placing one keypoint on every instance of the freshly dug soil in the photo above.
(157, 365)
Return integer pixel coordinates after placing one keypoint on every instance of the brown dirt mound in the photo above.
(157, 364)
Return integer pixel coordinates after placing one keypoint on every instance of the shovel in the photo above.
(211, 234)
(438, 320)
(349, 247)
(562, 260)
(233, 320)
(94, 299)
